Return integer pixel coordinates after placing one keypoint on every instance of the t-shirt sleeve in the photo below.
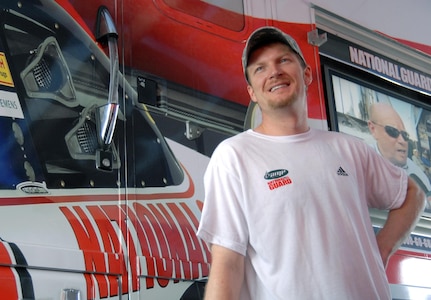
(222, 221)
(386, 184)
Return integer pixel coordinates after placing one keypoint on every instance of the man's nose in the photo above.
(401, 140)
(275, 70)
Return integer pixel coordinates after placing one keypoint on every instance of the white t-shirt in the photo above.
(297, 208)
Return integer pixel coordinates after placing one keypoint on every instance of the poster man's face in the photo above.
(392, 140)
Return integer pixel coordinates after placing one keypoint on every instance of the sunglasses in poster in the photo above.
(393, 132)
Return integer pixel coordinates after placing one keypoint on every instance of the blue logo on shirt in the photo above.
(275, 174)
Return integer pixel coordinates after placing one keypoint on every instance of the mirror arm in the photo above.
(107, 33)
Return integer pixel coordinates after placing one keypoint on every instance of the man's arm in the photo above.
(226, 274)
(401, 221)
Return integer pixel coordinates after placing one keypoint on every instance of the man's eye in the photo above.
(258, 69)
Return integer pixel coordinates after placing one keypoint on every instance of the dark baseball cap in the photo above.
(264, 36)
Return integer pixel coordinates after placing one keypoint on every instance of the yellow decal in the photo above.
(5, 76)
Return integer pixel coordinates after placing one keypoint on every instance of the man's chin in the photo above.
(400, 163)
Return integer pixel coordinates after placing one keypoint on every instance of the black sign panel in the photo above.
(376, 63)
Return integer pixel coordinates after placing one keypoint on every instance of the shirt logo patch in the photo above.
(341, 172)
(277, 178)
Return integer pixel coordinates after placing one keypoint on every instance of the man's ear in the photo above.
(371, 127)
(308, 75)
(251, 93)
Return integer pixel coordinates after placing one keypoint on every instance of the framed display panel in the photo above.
(352, 96)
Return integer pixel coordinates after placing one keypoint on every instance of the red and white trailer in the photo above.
(110, 110)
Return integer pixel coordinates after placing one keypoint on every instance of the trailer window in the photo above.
(61, 81)
(224, 13)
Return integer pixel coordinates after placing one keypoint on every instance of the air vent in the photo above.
(82, 141)
(47, 75)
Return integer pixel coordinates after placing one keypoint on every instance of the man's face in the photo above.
(277, 78)
(390, 141)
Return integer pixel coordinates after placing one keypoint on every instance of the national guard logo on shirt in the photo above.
(277, 178)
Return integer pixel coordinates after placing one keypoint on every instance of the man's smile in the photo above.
(274, 88)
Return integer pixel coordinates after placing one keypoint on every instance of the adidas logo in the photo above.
(341, 172)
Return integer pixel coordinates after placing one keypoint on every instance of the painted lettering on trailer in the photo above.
(9, 280)
(163, 234)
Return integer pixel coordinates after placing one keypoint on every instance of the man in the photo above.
(388, 130)
(286, 207)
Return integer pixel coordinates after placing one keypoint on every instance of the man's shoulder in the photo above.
(236, 139)
(336, 135)
(344, 143)
(233, 142)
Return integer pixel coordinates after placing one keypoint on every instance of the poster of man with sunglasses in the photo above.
(393, 142)
(394, 128)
